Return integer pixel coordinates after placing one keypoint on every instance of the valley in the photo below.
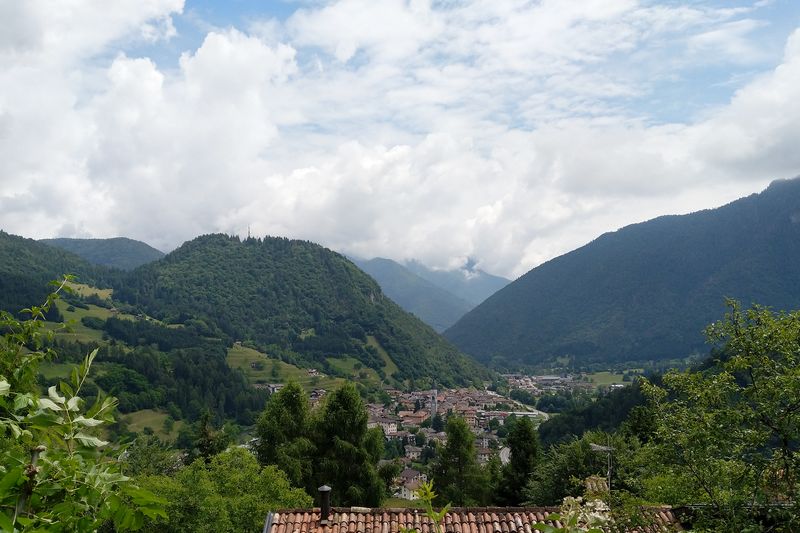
(202, 346)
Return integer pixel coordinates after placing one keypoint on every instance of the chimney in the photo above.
(324, 504)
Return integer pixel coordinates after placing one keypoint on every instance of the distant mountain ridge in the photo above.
(434, 305)
(117, 252)
(471, 284)
(646, 291)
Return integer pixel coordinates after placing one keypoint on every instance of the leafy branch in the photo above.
(55, 475)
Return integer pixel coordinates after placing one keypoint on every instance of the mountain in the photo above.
(296, 300)
(646, 291)
(435, 306)
(469, 283)
(119, 252)
(27, 266)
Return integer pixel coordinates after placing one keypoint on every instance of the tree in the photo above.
(456, 474)
(209, 441)
(346, 452)
(525, 455)
(727, 435)
(56, 472)
(283, 435)
(564, 467)
(437, 422)
(388, 472)
(148, 455)
(230, 493)
(492, 478)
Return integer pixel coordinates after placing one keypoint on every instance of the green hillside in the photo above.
(294, 300)
(645, 292)
(119, 252)
(435, 306)
(27, 266)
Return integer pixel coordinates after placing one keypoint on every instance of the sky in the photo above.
(503, 131)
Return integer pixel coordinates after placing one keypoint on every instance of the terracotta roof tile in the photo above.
(458, 520)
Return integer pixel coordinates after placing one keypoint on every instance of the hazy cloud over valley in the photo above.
(502, 130)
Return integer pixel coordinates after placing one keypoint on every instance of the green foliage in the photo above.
(727, 435)
(523, 396)
(118, 252)
(229, 494)
(607, 413)
(346, 452)
(525, 456)
(456, 474)
(56, 475)
(147, 455)
(93, 322)
(564, 467)
(187, 380)
(208, 441)
(427, 496)
(275, 291)
(437, 422)
(646, 291)
(330, 446)
(283, 431)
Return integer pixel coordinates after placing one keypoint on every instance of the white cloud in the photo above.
(731, 40)
(502, 130)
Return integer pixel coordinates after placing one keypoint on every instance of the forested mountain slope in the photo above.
(646, 291)
(118, 252)
(27, 266)
(293, 299)
(435, 306)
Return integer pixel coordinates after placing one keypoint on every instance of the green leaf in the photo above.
(88, 422)
(48, 404)
(73, 404)
(90, 359)
(88, 440)
(66, 390)
(22, 400)
(10, 479)
(5, 523)
(5, 388)
(141, 496)
(51, 392)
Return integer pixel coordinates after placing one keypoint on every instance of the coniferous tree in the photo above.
(283, 434)
(525, 453)
(347, 452)
(456, 475)
(331, 446)
(208, 441)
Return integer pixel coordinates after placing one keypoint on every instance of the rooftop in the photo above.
(458, 520)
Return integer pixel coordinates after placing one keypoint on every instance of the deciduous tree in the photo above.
(728, 435)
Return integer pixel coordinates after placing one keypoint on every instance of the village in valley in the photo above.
(413, 422)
